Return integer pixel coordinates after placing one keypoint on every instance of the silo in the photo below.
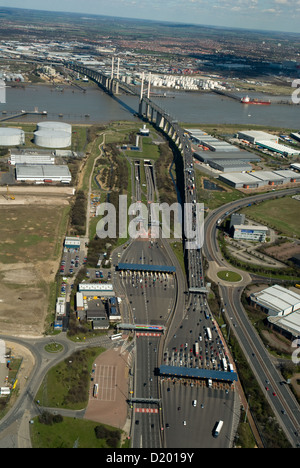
(11, 136)
(52, 139)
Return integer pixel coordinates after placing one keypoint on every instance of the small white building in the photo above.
(96, 289)
(72, 243)
(61, 306)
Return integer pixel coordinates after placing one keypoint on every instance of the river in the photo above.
(72, 105)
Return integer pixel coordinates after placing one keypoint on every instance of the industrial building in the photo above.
(30, 158)
(260, 179)
(96, 289)
(278, 148)
(253, 136)
(295, 136)
(43, 173)
(276, 301)
(228, 165)
(10, 136)
(72, 243)
(216, 156)
(53, 134)
(241, 180)
(295, 166)
(96, 313)
(288, 175)
(269, 178)
(251, 233)
(236, 219)
(94, 309)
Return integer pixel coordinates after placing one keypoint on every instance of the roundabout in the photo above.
(230, 276)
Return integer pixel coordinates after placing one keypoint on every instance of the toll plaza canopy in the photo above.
(189, 372)
(154, 268)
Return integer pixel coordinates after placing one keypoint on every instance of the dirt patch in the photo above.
(281, 344)
(284, 251)
(111, 374)
(295, 385)
(31, 240)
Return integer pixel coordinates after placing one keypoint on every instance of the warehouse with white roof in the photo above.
(276, 301)
(45, 173)
(253, 136)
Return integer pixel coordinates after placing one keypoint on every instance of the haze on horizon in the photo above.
(272, 15)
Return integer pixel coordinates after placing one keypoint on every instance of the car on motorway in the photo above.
(184, 423)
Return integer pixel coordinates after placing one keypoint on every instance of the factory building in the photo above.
(295, 136)
(288, 175)
(251, 233)
(236, 219)
(278, 148)
(260, 179)
(30, 158)
(295, 166)
(43, 173)
(269, 178)
(253, 136)
(228, 165)
(11, 136)
(240, 155)
(276, 301)
(246, 181)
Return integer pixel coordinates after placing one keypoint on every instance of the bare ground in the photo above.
(111, 374)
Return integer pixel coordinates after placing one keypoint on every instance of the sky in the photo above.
(276, 15)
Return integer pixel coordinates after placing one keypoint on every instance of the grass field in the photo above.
(281, 215)
(67, 384)
(230, 276)
(70, 433)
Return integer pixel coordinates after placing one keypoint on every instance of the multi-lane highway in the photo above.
(278, 394)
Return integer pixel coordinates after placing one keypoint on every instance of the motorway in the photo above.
(283, 404)
(158, 420)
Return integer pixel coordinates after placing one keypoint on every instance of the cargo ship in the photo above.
(247, 100)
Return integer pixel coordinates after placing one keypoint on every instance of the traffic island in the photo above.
(230, 276)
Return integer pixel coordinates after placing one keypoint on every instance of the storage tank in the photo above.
(52, 139)
(55, 126)
(11, 136)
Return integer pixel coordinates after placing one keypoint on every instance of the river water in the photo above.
(188, 107)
